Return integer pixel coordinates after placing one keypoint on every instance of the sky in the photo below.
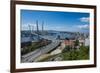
(59, 21)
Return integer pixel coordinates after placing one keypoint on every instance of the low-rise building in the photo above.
(68, 42)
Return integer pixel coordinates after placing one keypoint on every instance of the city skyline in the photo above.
(59, 21)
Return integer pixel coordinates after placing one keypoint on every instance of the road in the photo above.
(30, 57)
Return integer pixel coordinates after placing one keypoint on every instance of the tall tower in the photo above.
(42, 26)
(30, 31)
(37, 29)
(29, 28)
(37, 26)
(33, 28)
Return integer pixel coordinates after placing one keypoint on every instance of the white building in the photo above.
(87, 42)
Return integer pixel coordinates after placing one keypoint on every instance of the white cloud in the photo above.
(28, 26)
(86, 26)
(84, 19)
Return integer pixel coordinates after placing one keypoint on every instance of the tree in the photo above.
(76, 42)
(66, 49)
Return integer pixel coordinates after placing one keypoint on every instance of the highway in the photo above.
(30, 57)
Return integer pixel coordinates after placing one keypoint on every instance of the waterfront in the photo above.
(51, 41)
(54, 36)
